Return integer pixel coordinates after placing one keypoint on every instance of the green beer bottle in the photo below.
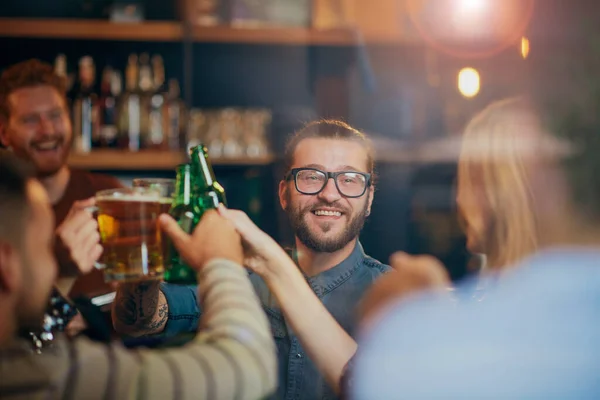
(197, 190)
(176, 270)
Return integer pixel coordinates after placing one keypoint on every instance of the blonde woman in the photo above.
(530, 198)
(502, 162)
(494, 187)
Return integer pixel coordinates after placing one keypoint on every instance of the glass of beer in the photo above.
(166, 188)
(130, 233)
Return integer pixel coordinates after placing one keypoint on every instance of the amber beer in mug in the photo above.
(130, 233)
(166, 188)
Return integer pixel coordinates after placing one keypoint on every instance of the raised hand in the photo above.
(410, 275)
(79, 236)
(213, 237)
(261, 253)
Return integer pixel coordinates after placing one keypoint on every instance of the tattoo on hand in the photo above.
(163, 314)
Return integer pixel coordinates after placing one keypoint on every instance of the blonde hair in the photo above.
(494, 159)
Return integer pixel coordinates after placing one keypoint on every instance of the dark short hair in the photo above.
(27, 74)
(14, 203)
(330, 129)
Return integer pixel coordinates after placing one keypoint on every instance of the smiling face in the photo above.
(327, 221)
(38, 128)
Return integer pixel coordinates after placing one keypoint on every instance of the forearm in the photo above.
(328, 345)
(140, 309)
(233, 355)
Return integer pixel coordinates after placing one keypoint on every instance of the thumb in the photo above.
(404, 262)
(180, 239)
(423, 267)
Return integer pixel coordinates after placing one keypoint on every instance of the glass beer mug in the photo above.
(133, 242)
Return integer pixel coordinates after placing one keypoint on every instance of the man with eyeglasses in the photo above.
(327, 194)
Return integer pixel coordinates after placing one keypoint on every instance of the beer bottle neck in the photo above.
(183, 185)
(202, 171)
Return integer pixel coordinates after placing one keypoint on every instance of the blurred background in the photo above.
(242, 75)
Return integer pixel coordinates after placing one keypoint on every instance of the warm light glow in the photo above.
(468, 82)
(472, 5)
(470, 28)
(524, 47)
(471, 18)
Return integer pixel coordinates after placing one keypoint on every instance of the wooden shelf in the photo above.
(90, 29)
(274, 35)
(168, 32)
(149, 160)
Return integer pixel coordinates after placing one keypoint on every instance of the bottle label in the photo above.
(133, 110)
(108, 132)
(86, 125)
(156, 121)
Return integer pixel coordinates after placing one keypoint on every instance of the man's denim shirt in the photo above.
(339, 288)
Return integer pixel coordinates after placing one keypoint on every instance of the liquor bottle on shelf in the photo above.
(110, 90)
(189, 206)
(175, 116)
(157, 121)
(85, 108)
(145, 85)
(61, 69)
(130, 108)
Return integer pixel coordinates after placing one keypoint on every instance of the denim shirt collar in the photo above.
(329, 280)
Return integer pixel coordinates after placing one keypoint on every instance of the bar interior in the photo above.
(181, 105)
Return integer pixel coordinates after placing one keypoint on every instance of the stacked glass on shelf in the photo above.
(231, 132)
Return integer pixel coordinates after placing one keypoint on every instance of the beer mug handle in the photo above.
(93, 210)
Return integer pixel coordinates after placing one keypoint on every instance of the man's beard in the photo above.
(42, 170)
(322, 245)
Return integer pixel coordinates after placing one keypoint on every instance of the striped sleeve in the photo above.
(232, 356)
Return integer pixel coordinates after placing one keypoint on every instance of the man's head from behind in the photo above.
(34, 119)
(27, 265)
(328, 188)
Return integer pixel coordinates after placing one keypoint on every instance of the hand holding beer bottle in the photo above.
(262, 254)
(197, 191)
(214, 237)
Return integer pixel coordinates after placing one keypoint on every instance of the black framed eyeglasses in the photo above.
(312, 181)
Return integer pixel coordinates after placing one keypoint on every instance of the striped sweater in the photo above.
(232, 356)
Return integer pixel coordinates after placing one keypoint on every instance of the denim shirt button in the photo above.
(298, 355)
